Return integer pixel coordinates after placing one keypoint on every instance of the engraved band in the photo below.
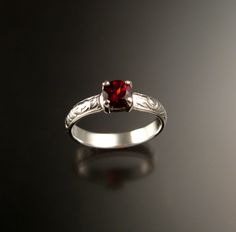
(93, 105)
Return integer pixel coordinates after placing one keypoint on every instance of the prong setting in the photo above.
(130, 103)
(105, 83)
(116, 96)
(106, 105)
(127, 82)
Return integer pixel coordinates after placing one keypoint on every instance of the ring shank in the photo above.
(116, 140)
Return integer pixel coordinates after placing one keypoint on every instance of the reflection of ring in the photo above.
(116, 96)
(114, 166)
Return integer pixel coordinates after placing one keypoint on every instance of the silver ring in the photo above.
(116, 96)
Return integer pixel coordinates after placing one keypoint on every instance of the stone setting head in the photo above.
(116, 96)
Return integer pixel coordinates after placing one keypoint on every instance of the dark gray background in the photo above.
(182, 52)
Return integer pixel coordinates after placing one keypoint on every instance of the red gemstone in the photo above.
(117, 92)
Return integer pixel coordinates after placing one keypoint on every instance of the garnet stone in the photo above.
(119, 95)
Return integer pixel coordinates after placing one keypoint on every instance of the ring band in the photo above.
(116, 96)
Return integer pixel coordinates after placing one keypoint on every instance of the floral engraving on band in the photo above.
(89, 104)
(149, 104)
(145, 102)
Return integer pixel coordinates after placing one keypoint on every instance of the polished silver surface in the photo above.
(93, 105)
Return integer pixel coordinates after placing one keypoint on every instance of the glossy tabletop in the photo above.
(182, 53)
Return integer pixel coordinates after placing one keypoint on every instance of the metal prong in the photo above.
(130, 100)
(130, 103)
(105, 83)
(106, 105)
(127, 82)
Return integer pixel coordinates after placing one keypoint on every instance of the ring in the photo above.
(116, 96)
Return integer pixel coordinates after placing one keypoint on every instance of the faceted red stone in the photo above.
(117, 93)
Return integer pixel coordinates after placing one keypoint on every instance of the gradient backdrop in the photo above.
(181, 52)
